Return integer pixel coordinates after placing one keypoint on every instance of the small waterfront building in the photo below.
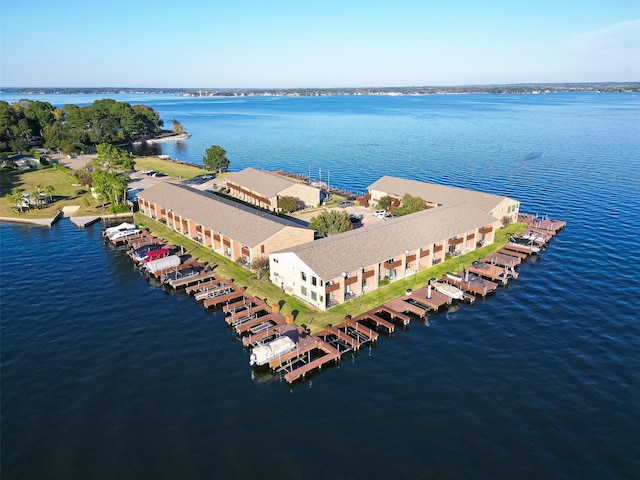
(332, 270)
(502, 208)
(263, 189)
(227, 227)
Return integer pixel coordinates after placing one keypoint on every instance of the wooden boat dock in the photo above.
(330, 355)
(338, 339)
(210, 284)
(512, 247)
(219, 287)
(472, 283)
(245, 312)
(264, 335)
(257, 324)
(235, 293)
(375, 319)
(357, 331)
(502, 260)
(491, 272)
(511, 253)
(543, 224)
(242, 303)
(393, 314)
(196, 279)
(287, 361)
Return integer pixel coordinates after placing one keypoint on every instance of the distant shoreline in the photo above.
(520, 88)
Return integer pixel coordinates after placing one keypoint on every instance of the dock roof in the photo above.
(438, 194)
(330, 256)
(245, 224)
(265, 183)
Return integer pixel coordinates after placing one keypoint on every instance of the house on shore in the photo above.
(263, 189)
(332, 270)
(227, 227)
(504, 209)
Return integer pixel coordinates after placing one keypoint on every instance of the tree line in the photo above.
(74, 129)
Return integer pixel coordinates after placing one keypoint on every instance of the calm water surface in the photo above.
(106, 375)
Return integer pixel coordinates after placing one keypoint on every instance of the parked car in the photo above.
(345, 204)
(379, 213)
(389, 216)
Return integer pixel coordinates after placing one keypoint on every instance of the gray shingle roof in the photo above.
(439, 194)
(349, 251)
(234, 220)
(265, 183)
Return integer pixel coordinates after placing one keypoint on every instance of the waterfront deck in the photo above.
(219, 287)
(472, 284)
(376, 320)
(331, 354)
(339, 340)
(268, 333)
(511, 253)
(490, 272)
(196, 279)
(502, 260)
(543, 224)
(241, 304)
(235, 293)
(257, 324)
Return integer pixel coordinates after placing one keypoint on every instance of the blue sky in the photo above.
(316, 43)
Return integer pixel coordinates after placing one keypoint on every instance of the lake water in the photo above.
(106, 375)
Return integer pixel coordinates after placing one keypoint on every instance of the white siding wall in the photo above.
(286, 271)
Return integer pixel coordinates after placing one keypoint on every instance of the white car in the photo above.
(379, 213)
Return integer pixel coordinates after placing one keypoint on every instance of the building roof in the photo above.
(330, 256)
(264, 183)
(234, 220)
(438, 194)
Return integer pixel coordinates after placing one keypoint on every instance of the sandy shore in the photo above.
(167, 138)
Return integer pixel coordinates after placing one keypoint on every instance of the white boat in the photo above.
(448, 290)
(124, 234)
(263, 354)
(163, 263)
(109, 232)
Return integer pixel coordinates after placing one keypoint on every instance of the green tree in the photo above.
(288, 204)
(178, 128)
(331, 222)
(260, 266)
(410, 204)
(17, 198)
(385, 202)
(110, 187)
(215, 159)
(113, 159)
(50, 189)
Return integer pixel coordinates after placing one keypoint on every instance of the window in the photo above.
(314, 281)
(314, 297)
(303, 276)
(261, 248)
(303, 290)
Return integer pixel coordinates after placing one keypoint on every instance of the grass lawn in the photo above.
(172, 169)
(303, 313)
(65, 193)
